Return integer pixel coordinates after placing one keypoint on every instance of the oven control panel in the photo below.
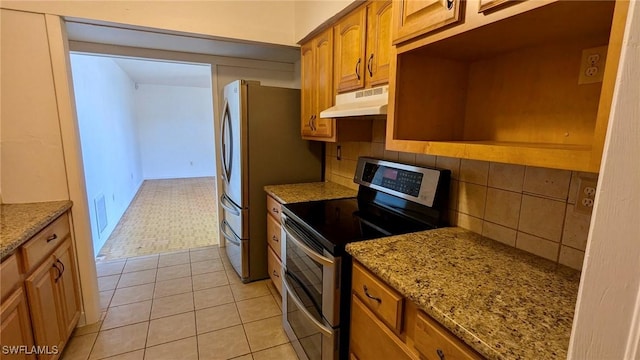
(418, 184)
(404, 181)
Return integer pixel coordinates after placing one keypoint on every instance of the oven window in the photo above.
(307, 273)
(305, 330)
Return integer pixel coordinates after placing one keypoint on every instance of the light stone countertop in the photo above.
(19, 222)
(293, 193)
(501, 301)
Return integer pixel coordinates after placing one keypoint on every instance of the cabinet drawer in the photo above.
(44, 242)
(274, 267)
(274, 207)
(9, 275)
(371, 339)
(273, 235)
(435, 342)
(379, 297)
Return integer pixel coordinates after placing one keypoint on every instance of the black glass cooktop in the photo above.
(334, 223)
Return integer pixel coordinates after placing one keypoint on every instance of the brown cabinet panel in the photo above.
(380, 298)
(9, 275)
(379, 15)
(43, 243)
(317, 86)
(45, 305)
(370, 339)
(350, 38)
(275, 269)
(413, 18)
(273, 235)
(434, 342)
(67, 289)
(16, 325)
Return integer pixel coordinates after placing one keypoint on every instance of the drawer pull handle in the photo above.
(275, 210)
(61, 264)
(59, 275)
(52, 237)
(275, 238)
(366, 292)
(440, 354)
(275, 273)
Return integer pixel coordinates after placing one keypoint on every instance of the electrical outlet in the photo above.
(592, 65)
(586, 195)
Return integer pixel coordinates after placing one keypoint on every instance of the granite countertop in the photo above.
(293, 193)
(502, 302)
(19, 222)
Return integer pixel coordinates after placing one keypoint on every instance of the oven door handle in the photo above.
(307, 250)
(323, 329)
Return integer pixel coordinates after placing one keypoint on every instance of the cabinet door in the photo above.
(324, 95)
(371, 339)
(44, 303)
(378, 42)
(16, 327)
(350, 37)
(67, 288)
(307, 78)
(417, 17)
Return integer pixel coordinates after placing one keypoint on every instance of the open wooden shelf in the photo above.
(508, 91)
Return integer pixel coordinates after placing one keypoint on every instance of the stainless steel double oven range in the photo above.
(392, 199)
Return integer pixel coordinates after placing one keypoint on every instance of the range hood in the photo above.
(359, 103)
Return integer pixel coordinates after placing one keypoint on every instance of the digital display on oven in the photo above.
(406, 182)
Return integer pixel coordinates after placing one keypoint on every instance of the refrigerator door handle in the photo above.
(231, 237)
(226, 158)
(228, 205)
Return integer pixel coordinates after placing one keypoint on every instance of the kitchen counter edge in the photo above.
(303, 192)
(502, 326)
(20, 222)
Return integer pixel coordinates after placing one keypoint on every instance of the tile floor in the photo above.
(181, 305)
(166, 215)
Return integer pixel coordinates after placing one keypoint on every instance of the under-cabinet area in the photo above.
(513, 91)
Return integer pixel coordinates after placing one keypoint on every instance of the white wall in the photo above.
(175, 131)
(32, 160)
(262, 21)
(106, 120)
(309, 14)
(607, 320)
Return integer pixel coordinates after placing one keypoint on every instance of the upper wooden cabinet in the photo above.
(470, 92)
(317, 86)
(363, 46)
(413, 18)
(379, 15)
(350, 38)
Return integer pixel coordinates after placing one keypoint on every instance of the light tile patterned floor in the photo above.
(182, 305)
(166, 215)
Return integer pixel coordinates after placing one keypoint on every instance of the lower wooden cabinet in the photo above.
(16, 326)
(40, 319)
(274, 262)
(370, 338)
(382, 328)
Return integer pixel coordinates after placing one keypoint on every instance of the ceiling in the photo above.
(174, 73)
(166, 73)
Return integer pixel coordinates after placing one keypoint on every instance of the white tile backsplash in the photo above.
(552, 183)
(542, 217)
(474, 171)
(503, 207)
(500, 233)
(538, 246)
(471, 199)
(526, 207)
(506, 176)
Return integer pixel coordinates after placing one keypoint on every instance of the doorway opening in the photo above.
(147, 138)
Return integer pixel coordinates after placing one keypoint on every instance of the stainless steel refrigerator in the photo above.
(260, 145)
